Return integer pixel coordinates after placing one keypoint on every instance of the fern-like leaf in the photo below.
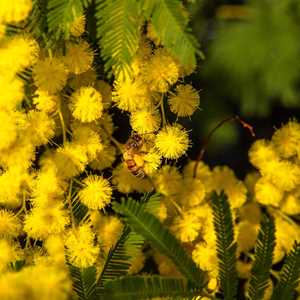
(289, 276)
(61, 14)
(118, 31)
(262, 265)
(226, 247)
(147, 287)
(152, 230)
(84, 282)
(170, 24)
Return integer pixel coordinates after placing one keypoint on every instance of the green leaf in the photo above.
(79, 210)
(226, 247)
(289, 275)
(84, 282)
(170, 24)
(61, 14)
(118, 260)
(146, 287)
(37, 22)
(118, 31)
(152, 230)
(262, 265)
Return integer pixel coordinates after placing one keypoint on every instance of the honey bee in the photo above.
(132, 157)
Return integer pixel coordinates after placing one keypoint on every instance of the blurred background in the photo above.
(251, 68)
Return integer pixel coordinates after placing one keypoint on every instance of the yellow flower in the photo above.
(287, 139)
(160, 71)
(185, 100)
(43, 74)
(246, 237)
(105, 90)
(56, 249)
(41, 222)
(14, 11)
(80, 246)
(152, 161)
(45, 101)
(131, 95)
(10, 225)
(187, 227)
(8, 132)
(97, 192)
(9, 253)
(172, 141)
(87, 78)
(205, 257)
(104, 158)
(12, 93)
(79, 57)
(267, 193)
(145, 121)
(250, 212)
(77, 26)
(203, 171)
(291, 203)
(137, 263)
(86, 104)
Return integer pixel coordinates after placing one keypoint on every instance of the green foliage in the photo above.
(117, 262)
(262, 264)
(250, 56)
(146, 287)
(61, 14)
(84, 282)
(289, 276)
(152, 230)
(118, 30)
(170, 21)
(226, 247)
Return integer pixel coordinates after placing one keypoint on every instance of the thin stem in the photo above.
(70, 203)
(162, 108)
(63, 127)
(176, 205)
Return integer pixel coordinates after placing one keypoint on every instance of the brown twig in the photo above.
(207, 139)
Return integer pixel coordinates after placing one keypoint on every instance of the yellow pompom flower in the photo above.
(15, 10)
(41, 222)
(185, 100)
(267, 193)
(105, 90)
(97, 192)
(10, 225)
(261, 152)
(45, 101)
(291, 203)
(246, 237)
(56, 249)
(43, 74)
(205, 257)
(8, 131)
(287, 139)
(9, 253)
(12, 92)
(145, 121)
(104, 158)
(203, 171)
(160, 71)
(80, 246)
(17, 53)
(172, 141)
(152, 161)
(79, 57)
(251, 213)
(86, 104)
(187, 227)
(131, 95)
(77, 26)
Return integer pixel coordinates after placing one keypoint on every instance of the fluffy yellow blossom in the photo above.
(12, 93)
(267, 193)
(126, 182)
(104, 158)
(152, 161)
(79, 57)
(41, 222)
(246, 237)
(291, 204)
(131, 95)
(250, 181)
(16, 53)
(185, 100)
(87, 78)
(187, 227)
(109, 230)
(287, 139)
(160, 71)
(250, 212)
(40, 127)
(206, 258)
(43, 74)
(56, 249)
(77, 26)
(8, 131)
(15, 10)
(168, 180)
(81, 250)
(145, 121)
(45, 101)
(172, 141)
(86, 104)
(203, 171)
(105, 90)
(284, 174)
(9, 253)
(223, 178)
(137, 263)
(243, 268)
(165, 265)
(10, 224)
(97, 192)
